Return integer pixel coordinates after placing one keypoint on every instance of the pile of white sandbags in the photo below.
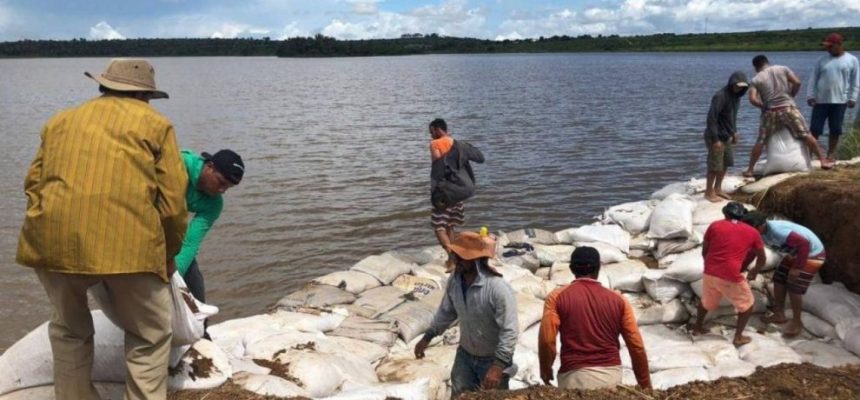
(351, 334)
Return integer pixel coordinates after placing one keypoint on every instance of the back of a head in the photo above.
(439, 123)
(734, 210)
(585, 261)
(755, 218)
(760, 61)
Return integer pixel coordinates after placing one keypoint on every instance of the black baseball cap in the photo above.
(584, 260)
(228, 163)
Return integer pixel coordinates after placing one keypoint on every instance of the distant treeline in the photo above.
(322, 46)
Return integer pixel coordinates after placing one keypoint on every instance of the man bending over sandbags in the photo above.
(487, 309)
(795, 272)
(589, 318)
(725, 248)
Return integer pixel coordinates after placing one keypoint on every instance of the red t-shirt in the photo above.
(728, 243)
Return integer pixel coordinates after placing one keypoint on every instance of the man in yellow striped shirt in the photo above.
(106, 203)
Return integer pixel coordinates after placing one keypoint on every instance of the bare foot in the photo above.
(724, 195)
(826, 164)
(713, 198)
(742, 340)
(698, 331)
(748, 174)
(774, 319)
(791, 330)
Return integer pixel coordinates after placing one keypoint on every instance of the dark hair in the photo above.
(585, 261)
(439, 123)
(484, 263)
(734, 210)
(759, 61)
(755, 218)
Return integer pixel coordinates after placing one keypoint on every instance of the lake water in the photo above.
(336, 150)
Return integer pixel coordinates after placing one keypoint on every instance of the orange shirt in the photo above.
(589, 318)
(443, 145)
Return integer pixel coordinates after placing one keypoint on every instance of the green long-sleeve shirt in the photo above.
(206, 211)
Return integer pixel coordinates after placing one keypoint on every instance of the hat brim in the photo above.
(124, 87)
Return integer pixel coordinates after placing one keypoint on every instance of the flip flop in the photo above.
(773, 320)
(747, 174)
(744, 340)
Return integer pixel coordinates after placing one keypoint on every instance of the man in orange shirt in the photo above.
(589, 318)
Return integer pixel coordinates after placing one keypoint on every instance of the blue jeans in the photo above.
(469, 371)
(833, 113)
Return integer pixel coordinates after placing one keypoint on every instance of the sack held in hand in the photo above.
(457, 183)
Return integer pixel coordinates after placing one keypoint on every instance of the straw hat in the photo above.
(129, 75)
(471, 246)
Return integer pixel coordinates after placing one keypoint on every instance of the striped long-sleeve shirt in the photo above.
(105, 192)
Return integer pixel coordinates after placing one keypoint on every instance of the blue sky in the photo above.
(361, 19)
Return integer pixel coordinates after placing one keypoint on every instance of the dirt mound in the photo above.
(804, 381)
(828, 202)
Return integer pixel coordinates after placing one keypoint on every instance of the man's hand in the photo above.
(851, 103)
(752, 275)
(420, 347)
(794, 273)
(171, 267)
(547, 378)
(735, 138)
(718, 145)
(810, 101)
(493, 377)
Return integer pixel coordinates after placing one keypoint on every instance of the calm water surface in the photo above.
(336, 150)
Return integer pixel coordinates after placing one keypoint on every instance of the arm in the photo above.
(172, 181)
(197, 230)
(473, 154)
(755, 100)
(635, 346)
(549, 326)
(793, 82)
(445, 316)
(505, 307)
(34, 174)
(760, 259)
(813, 84)
(435, 153)
(713, 127)
(854, 84)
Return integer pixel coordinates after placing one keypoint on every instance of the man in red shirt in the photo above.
(726, 246)
(589, 318)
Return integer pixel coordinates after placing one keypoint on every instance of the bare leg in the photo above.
(443, 237)
(796, 325)
(743, 318)
(718, 186)
(778, 316)
(710, 189)
(755, 154)
(832, 144)
(699, 327)
(815, 148)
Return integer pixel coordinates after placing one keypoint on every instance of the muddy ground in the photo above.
(782, 382)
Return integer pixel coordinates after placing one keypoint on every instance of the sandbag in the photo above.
(413, 318)
(383, 333)
(666, 379)
(650, 312)
(432, 271)
(415, 390)
(662, 289)
(529, 311)
(509, 272)
(672, 218)
(415, 286)
(321, 374)
(612, 235)
(851, 340)
(786, 154)
(528, 261)
(625, 276)
(832, 303)
(421, 256)
(385, 267)
(707, 212)
(731, 183)
(718, 348)
(767, 351)
(107, 390)
(532, 236)
(642, 242)
(316, 296)
(29, 362)
(687, 267)
(543, 273)
(823, 354)
(435, 366)
(730, 369)
(352, 281)
(772, 259)
(377, 301)
(767, 182)
(667, 247)
(668, 349)
(608, 253)
(560, 274)
(530, 286)
(528, 366)
(682, 188)
(268, 385)
(548, 255)
(204, 366)
(633, 216)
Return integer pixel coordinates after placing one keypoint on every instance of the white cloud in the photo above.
(632, 17)
(509, 36)
(292, 30)
(103, 31)
(365, 7)
(451, 18)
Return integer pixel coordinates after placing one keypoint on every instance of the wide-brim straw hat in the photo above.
(129, 75)
(472, 246)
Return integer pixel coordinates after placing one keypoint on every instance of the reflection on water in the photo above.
(336, 150)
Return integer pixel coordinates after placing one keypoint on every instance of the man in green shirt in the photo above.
(209, 176)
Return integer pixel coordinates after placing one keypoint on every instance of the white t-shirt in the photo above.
(773, 87)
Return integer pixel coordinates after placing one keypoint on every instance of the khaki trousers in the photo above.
(142, 302)
(590, 378)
